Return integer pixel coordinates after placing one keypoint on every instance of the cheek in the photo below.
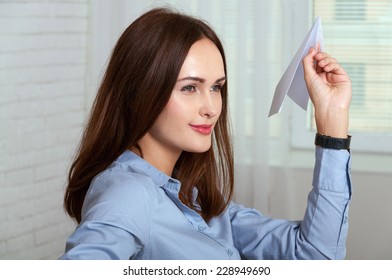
(176, 108)
(172, 114)
(172, 107)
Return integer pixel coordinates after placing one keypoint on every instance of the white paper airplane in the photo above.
(292, 82)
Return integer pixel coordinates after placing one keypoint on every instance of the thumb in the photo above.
(308, 64)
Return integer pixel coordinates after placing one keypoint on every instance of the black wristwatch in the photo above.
(329, 142)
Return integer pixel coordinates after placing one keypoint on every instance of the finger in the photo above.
(326, 61)
(334, 67)
(318, 47)
(318, 57)
(319, 69)
(321, 55)
(308, 63)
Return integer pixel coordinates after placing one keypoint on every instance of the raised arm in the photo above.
(323, 231)
(330, 91)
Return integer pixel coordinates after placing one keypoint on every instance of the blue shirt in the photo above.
(132, 211)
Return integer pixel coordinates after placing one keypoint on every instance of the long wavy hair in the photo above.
(137, 85)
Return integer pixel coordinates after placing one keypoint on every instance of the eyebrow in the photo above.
(201, 80)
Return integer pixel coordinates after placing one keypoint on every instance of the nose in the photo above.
(210, 104)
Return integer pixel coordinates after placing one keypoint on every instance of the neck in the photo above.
(160, 157)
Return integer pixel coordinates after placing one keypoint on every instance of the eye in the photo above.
(216, 88)
(189, 88)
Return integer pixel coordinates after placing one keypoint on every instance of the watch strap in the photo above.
(329, 142)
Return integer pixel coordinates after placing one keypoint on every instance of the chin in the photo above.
(199, 150)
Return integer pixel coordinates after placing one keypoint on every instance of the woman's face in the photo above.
(188, 120)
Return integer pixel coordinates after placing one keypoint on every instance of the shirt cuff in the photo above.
(332, 170)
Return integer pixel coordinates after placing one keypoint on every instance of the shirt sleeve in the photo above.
(111, 226)
(323, 231)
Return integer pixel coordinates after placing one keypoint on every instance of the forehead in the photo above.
(204, 60)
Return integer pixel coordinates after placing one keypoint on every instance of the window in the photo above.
(359, 34)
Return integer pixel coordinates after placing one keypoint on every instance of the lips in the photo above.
(203, 128)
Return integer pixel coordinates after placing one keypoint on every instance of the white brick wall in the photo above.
(43, 62)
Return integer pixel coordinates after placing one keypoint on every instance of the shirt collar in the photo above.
(171, 186)
(138, 164)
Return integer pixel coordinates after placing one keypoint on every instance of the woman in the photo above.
(153, 177)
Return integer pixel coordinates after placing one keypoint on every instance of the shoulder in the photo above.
(239, 211)
(116, 190)
(116, 179)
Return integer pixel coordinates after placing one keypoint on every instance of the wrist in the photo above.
(334, 143)
(333, 124)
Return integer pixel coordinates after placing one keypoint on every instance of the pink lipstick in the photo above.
(203, 128)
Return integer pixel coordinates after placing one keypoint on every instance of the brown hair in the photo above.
(137, 85)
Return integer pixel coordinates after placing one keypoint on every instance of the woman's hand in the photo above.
(329, 87)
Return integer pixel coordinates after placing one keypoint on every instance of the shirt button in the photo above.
(229, 252)
(201, 228)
